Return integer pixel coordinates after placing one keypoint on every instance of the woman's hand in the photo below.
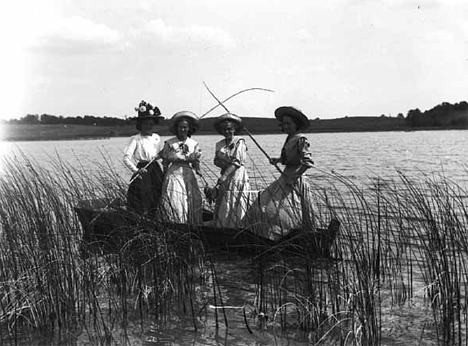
(196, 166)
(221, 180)
(139, 173)
(274, 160)
(291, 180)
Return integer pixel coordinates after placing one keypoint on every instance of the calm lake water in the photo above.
(357, 156)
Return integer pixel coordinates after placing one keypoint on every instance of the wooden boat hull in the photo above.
(108, 231)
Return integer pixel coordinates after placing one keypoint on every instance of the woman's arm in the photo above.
(238, 157)
(164, 155)
(228, 171)
(275, 160)
(195, 158)
(306, 162)
(128, 155)
(218, 162)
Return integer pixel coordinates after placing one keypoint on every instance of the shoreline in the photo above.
(60, 132)
(91, 137)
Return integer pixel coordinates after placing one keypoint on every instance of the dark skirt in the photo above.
(144, 192)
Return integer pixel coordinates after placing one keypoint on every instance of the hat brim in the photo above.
(301, 118)
(154, 117)
(235, 119)
(191, 118)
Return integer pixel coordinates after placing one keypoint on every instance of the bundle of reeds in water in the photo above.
(401, 251)
(49, 282)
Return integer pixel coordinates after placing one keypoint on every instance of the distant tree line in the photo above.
(84, 120)
(445, 114)
(442, 115)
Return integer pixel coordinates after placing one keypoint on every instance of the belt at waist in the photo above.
(180, 164)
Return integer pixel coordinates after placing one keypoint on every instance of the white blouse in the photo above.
(141, 148)
(181, 151)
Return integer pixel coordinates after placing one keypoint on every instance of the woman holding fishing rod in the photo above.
(181, 200)
(140, 157)
(233, 186)
(286, 204)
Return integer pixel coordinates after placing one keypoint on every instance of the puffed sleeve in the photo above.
(158, 145)
(304, 152)
(239, 153)
(217, 159)
(128, 155)
(197, 153)
(164, 153)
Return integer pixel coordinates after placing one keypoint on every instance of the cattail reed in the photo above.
(51, 281)
(400, 255)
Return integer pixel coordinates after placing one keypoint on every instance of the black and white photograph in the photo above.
(245, 173)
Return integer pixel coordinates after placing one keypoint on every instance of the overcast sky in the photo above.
(329, 58)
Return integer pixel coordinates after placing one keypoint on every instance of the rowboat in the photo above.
(110, 229)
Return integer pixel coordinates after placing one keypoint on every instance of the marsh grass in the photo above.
(51, 285)
(401, 252)
(401, 248)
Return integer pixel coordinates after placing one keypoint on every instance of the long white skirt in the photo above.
(181, 200)
(233, 200)
(281, 208)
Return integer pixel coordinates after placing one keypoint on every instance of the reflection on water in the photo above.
(353, 155)
(237, 279)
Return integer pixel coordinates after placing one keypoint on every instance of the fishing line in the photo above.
(244, 128)
(230, 97)
(294, 188)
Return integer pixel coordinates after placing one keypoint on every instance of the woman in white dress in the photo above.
(233, 185)
(181, 200)
(145, 189)
(286, 204)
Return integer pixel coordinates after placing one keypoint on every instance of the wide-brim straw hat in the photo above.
(299, 117)
(228, 117)
(184, 115)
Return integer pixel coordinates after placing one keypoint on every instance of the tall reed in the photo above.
(402, 249)
(53, 283)
(402, 246)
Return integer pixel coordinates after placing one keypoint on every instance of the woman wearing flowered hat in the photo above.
(233, 185)
(286, 204)
(139, 156)
(181, 200)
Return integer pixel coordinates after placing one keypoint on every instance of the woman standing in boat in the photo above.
(233, 185)
(286, 204)
(140, 157)
(181, 200)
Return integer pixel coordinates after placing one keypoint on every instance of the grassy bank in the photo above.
(397, 275)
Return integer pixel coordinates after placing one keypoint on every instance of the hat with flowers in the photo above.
(147, 111)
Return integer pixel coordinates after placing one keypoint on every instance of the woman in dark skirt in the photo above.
(140, 156)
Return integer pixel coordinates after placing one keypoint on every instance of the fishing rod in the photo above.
(244, 128)
(250, 135)
(230, 97)
(138, 173)
(201, 176)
